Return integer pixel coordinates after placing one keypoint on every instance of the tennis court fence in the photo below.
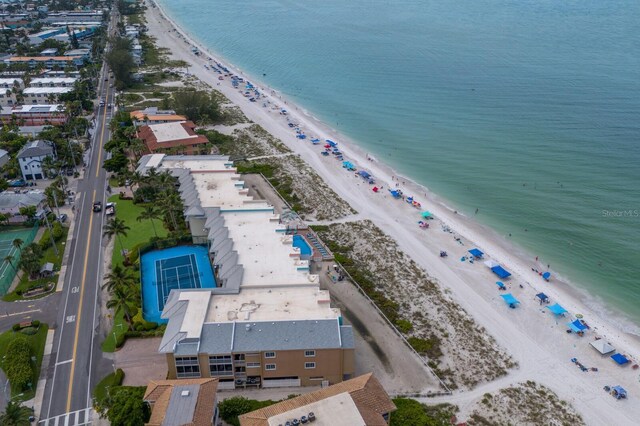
(27, 236)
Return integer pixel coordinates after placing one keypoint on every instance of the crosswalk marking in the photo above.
(74, 418)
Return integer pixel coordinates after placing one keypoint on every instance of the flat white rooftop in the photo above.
(53, 81)
(195, 313)
(265, 251)
(335, 410)
(46, 90)
(224, 189)
(166, 132)
(275, 304)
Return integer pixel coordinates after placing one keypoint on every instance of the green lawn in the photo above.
(49, 255)
(119, 327)
(37, 342)
(140, 232)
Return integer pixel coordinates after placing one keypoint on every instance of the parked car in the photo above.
(62, 218)
(110, 209)
(17, 183)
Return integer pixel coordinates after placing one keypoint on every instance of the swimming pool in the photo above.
(181, 267)
(301, 243)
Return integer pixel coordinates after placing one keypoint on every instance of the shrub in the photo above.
(35, 323)
(120, 339)
(404, 326)
(16, 327)
(29, 331)
(17, 363)
(58, 232)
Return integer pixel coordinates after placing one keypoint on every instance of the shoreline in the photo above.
(584, 301)
(394, 221)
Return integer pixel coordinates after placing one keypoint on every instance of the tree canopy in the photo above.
(198, 106)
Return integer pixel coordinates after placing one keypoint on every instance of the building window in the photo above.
(187, 366)
(269, 354)
(309, 365)
(220, 365)
(309, 354)
(238, 357)
(253, 365)
(270, 367)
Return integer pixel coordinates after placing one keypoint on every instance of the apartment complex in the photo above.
(48, 62)
(42, 95)
(357, 402)
(8, 87)
(153, 115)
(176, 137)
(267, 323)
(34, 115)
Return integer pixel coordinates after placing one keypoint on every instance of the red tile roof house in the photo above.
(176, 138)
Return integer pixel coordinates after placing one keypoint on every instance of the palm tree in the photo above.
(17, 243)
(170, 203)
(121, 298)
(118, 228)
(16, 415)
(119, 277)
(9, 260)
(149, 213)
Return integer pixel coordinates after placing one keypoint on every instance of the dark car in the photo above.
(97, 206)
(62, 218)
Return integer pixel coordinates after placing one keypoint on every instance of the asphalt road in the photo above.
(76, 360)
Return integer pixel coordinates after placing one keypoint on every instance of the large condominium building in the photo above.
(48, 62)
(267, 323)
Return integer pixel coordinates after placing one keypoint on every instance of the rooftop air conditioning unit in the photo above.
(311, 416)
(185, 393)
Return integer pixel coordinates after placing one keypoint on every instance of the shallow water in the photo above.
(527, 111)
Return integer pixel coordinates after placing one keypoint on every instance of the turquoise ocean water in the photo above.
(528, 111)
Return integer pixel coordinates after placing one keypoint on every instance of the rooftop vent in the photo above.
(247, 327)
(185, 393)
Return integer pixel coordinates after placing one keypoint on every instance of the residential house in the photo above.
(266, 323)
(31, 157)
(85, 54)
(12, 200)
(176, 137)
(34, 115)
(190, 402)
(153, 115)
(361, 401)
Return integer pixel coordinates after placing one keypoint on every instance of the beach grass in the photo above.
(36, 343)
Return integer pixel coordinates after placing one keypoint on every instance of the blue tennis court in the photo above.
(181, 267)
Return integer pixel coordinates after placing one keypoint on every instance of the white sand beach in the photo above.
(535, 338)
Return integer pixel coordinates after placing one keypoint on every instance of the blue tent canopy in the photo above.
(619, 391)
(557, 309)
(546, 275)
(348, 165)
(620, 359)
(500, 284)
(542, 296)
(395, 193)
(364, 174)
(426, 214)
(509, 299)
(577, 326)
(476, 253)
(331, 143)
(501, 272)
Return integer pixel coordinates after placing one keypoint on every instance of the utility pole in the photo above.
(55, 201)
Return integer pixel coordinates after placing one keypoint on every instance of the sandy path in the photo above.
(538, 343)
